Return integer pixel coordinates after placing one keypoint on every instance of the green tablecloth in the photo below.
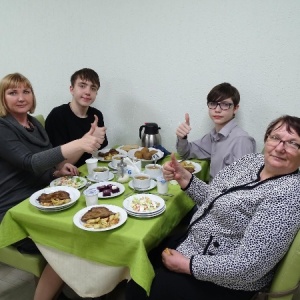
(124, 246)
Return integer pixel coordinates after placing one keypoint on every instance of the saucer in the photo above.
(110, 177)
(152, 186)
(111, 166)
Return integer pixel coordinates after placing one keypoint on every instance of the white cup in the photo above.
(141, 181)
(91, 196)
(153, 170)
(162, 185)
(91, 164)
(116, 159)
(101, 173)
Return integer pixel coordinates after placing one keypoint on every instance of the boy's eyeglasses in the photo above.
(223, 105)
(274, 140)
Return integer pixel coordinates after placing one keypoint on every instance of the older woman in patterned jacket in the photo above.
(246, 220)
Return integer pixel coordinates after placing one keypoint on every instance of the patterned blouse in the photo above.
(243, 226)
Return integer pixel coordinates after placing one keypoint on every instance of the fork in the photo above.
(88, 183)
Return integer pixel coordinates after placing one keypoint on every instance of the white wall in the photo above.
(158, 59)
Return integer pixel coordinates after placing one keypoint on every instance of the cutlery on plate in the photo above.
(88, 183)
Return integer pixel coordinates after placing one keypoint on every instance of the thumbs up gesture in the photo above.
(173, 170)
(184, 128)
(99, 132)
(92, 140)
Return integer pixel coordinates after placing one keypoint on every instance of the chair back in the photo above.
(286, 280)
(287, 275)
(41, 119)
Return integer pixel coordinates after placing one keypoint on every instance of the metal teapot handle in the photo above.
(140, 131)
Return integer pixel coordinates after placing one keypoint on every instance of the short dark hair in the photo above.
(224, 91)
(86, 74)
(291, 123)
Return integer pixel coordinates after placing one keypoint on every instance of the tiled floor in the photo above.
(19, 285)
(15, 284)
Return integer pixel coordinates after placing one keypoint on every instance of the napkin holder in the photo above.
(132, 167)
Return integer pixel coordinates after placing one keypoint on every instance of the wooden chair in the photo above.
(32, 263)
(287, 277)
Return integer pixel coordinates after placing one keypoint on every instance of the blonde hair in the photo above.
(13, 81)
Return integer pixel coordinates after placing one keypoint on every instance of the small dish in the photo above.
(103, 183)
(152, 186)
(110, 177)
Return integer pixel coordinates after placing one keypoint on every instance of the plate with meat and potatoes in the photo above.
(106, 154)
(191, 166)
(100, 217)
(54, 198)
(108, 189)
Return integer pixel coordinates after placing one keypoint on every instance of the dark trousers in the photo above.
(177, 286)
(26, 246)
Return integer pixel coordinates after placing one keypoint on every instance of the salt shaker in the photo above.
(122, 175)
(162, 185)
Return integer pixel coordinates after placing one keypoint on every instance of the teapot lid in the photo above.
(151, 128)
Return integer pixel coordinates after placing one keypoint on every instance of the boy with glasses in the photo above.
(226, 142)
(71, 121)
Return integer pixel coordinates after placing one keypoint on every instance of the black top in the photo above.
(63, 126)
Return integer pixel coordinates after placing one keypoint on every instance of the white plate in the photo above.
(133, 145)
(71, 181)
(74, 195)
(110, 177)
(95, 154)
(144, 216)
(159, 153)
(116, 209)
(56, 208)
(152, 186)
(127, 203)
(100, 195)
(196, 166)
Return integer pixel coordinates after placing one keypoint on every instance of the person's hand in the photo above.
(175, 261)
(99, 132)
(67, 170)
(184, 128)
(90, 143)
(173, 170)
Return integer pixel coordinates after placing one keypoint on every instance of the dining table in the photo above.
(93, 263)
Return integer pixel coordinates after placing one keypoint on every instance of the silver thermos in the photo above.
(150, 136)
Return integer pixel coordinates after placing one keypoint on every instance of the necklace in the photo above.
(30, 128)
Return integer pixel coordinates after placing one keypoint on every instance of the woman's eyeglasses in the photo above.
(274, 140)
(223, 105)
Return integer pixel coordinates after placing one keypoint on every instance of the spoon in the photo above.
(155, 157)
(88, 183)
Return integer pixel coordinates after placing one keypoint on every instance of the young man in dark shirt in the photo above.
(71, 121)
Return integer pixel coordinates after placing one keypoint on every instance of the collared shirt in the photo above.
(222, 148)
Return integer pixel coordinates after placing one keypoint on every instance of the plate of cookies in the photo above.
(145, 154)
